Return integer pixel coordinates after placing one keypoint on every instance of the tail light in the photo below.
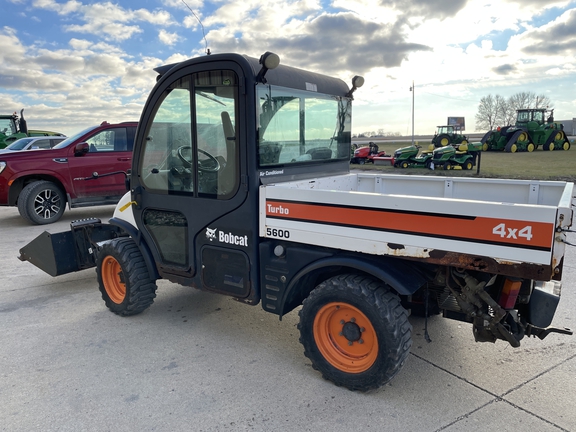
(509, 293)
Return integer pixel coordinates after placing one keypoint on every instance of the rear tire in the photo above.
(123, 278)
(41, 202)
(355, 332)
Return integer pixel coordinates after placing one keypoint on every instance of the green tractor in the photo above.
(529, 132)
(13, 128)
(448, 135)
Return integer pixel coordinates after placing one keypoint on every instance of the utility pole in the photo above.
(413, 91)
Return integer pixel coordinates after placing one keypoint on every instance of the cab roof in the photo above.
(284, 76)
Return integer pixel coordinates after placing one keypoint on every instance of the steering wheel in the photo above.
(210, 164)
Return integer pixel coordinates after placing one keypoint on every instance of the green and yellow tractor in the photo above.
(445, 135)
(13, 128)
(529, 132)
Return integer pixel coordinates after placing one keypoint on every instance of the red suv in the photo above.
(41, 182)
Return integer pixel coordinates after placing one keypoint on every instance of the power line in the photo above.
(448, 97)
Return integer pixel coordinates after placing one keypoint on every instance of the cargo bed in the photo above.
(511, 227)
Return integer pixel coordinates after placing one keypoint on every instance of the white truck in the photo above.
(240, 185)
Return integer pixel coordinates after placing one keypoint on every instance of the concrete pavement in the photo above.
(202, 362)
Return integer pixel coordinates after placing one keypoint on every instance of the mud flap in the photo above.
(54, 254)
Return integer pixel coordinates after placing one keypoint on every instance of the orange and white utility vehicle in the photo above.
(241, 185)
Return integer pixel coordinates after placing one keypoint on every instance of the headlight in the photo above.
(2, 166)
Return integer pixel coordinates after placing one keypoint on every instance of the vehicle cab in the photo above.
(213, 131)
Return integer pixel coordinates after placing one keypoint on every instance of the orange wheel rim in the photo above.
(113, 279)
(345, 337)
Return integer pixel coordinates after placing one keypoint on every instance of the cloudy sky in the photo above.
(72, 64)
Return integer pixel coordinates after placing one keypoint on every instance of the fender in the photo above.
(404, 277)
(140, 242)
(17, 181)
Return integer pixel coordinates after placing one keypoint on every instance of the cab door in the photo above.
(191, 206)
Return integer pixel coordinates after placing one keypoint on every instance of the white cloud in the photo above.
(168, 38)
(60, 8)
(455, 51)
(106, 19)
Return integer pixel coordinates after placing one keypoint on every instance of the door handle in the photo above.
(123, 159)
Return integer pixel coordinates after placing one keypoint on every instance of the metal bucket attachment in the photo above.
(53, 253)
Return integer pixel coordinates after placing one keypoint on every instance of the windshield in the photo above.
(19, 144)
(523, 116)
(73, 138)
(299, 126)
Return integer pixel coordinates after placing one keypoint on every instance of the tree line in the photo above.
(496, 110)
(376, 134)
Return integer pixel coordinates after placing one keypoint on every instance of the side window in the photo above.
(109, 140)
(215, 96)
(7, 127)
(166, 159)
(539, 116)
(191, 145)
(40, 144)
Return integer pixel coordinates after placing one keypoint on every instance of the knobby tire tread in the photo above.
(140, 288)
(393, 316)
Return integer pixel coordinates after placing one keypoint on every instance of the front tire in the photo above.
(355, 332)
(123, 278)
(41, 202)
